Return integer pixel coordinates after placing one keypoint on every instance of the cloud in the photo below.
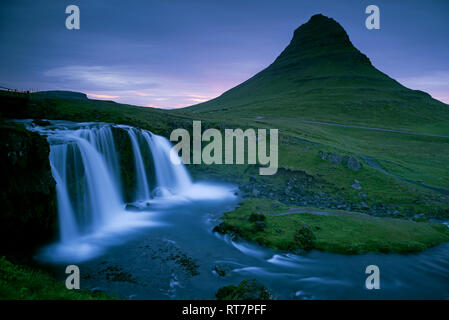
(143, 94)
(150, 105)
(100, 77)
(436, 84)
(134, 86)
(436, 80)
(197, 99)
(102, 96)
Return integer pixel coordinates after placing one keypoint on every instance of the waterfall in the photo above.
(103, 141)
(94, 180)
(85, 165)
(142, 189)
(171, 178)
(66, 219)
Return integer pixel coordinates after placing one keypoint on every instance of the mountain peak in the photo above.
(319, 72)
(319, 35)
(319, 41)
(320, 26)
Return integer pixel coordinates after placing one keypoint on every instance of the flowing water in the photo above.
(163, 247)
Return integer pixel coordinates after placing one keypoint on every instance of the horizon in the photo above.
(158, 60)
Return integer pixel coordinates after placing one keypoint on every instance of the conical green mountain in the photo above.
(321, 76)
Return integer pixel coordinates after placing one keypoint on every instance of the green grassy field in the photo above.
(25, 283)
(272, 224)
(417, 158)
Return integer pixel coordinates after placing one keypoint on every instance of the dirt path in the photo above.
(311, 211)
(359, 127)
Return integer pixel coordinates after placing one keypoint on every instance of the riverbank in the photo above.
(275, 225)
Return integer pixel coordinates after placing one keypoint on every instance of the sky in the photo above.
(176, 53)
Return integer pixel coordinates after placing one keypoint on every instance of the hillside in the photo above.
(60, 94)
(321, 76)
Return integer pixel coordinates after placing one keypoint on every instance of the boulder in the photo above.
(28, 218)
(356, 185)
(354, 163)
(247, 290)
(336, 158)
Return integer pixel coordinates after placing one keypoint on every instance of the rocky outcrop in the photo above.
(246, 290)
(352, 162)
(28, 217)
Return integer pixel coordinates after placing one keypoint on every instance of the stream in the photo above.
(160, 245)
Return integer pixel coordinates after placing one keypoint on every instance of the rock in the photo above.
(363, 205)
(41, 123)
(246, 290)
(221, 270)
(224, 228)
(356, 185)
(336, 158)
(28, 218)
(323, 155)
(420, 217)
(354, 163)
(256, 192)
(132, 207)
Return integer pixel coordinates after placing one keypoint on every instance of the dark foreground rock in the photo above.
(246, 290)
(28, 191)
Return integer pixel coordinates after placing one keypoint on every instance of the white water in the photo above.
(171, 178)
(142, 188)
(90, 195)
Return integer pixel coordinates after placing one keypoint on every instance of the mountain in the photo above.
(60, 94)
(321, 76)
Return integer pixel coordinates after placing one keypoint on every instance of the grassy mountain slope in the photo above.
(321, 76)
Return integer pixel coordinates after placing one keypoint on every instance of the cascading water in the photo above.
(91, 190)
(171, 178)
(142, 188)
(85, 166)
(67, 224)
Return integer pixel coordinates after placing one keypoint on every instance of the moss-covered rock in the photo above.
(28, 191)
(247, 290)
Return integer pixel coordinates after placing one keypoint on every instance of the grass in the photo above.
(83, 110)
(25, 283)
(332, 231)
(421, 159)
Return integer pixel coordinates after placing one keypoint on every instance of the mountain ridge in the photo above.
(319, 73)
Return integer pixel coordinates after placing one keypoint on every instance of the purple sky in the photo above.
(175, 53)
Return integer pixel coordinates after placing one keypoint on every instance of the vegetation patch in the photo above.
(25, 283)
(247, 290)
(335, 231)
